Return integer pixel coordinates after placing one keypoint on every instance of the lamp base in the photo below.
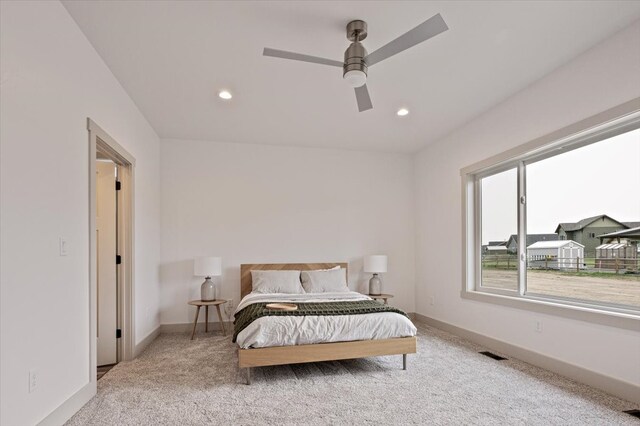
(375, 285)
(208, 290)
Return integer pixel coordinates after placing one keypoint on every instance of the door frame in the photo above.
(101, 142)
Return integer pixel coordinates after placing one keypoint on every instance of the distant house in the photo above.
(512, 242)
(587, 231)
(560, 254)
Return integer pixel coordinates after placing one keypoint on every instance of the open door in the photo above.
(107, 244)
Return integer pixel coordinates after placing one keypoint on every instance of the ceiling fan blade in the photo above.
(363, 98)
(429, 28)
(300, 57)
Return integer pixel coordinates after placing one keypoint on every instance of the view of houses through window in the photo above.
(582, 222)
(500, 256)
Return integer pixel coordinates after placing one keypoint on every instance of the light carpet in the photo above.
(181, 382)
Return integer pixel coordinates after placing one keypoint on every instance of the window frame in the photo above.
(610, 123)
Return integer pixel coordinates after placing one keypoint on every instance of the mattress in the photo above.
(305, 330)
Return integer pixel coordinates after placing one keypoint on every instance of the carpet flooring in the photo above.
(181, 382)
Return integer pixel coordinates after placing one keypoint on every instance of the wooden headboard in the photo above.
(245, 271)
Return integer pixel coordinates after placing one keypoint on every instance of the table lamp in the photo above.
(207, 267)
(375, 264)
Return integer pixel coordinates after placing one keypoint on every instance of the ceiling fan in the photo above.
(356, 59)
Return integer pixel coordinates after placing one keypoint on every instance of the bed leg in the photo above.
(248, 375)
(404, 361)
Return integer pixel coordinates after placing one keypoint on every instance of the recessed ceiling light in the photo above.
(402, 112)
(225, 94)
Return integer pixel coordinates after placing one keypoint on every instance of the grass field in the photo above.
(601, 287)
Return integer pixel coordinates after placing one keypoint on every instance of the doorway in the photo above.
(111, 172)
(107, 186)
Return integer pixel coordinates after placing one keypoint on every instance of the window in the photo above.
(499, 221)
(559, 202)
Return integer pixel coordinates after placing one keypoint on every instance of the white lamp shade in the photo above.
(207, 266)
(375, 264)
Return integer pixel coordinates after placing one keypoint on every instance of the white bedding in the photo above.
(304, 330)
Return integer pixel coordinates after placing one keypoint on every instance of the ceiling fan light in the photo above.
(355, 78)
(225, 94)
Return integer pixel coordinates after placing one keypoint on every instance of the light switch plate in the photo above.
(33, 380)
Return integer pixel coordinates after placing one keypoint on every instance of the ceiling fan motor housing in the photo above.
(354, 58)
(355, 53)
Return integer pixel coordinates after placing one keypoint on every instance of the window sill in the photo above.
(625, 320)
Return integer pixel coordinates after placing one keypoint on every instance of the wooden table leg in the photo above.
(206, 319)
(224, 332)
(195, 322)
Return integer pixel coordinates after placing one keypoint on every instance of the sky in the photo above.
(602, 178)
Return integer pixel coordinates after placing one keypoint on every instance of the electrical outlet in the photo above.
(33, 380)
(64, 246)
(432, 301)
(538, 326)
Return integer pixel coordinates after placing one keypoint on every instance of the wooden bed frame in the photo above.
(281, 355)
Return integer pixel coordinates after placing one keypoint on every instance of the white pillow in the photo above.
(330, 269)
(276, 282)
(333, 280)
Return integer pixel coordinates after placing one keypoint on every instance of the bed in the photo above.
(316, 338)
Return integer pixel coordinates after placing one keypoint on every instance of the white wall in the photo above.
(51, 81)
(270, 204)
(603, 77)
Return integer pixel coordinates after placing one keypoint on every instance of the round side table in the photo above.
(200, 303)
(384, 297)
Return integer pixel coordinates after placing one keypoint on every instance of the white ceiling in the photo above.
(173, 58)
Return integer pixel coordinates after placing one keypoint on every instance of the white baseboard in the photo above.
(71, 406)
(611, 385)
(188, 327)
(140, 347)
